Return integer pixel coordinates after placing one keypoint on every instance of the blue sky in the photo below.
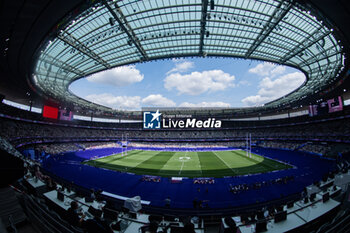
(189, 82)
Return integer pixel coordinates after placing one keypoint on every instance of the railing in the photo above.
(42, 219)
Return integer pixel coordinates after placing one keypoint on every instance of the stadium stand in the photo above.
(56, 175)
(55, 134)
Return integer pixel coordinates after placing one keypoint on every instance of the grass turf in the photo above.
(188, 164)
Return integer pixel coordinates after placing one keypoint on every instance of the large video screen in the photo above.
(66, 115)
(329, 106)
(50, 112)
(335, 104)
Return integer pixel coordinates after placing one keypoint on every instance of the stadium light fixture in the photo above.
(111, 21)
(212, 5)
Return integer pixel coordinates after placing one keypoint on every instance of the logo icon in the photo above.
(151, 120)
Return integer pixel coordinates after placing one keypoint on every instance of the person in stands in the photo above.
(167, 202)
(75, 217)
(232, 228)
(189, 228)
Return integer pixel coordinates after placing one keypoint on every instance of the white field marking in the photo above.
(183, 162)
(177, 150)
(167, 165)
(184, 159)
(224, 161)
(181, 167)
(149, 156)
(199, 164)
(96, 157)
(114, 155)
(136, 164)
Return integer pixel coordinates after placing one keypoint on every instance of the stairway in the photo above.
(10, 207)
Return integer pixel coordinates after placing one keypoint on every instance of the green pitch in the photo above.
(188, 164)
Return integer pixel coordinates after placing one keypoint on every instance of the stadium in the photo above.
(70, 163)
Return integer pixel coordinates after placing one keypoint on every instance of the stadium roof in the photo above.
(103, 34)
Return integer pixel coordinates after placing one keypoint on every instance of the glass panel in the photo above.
(267, 30)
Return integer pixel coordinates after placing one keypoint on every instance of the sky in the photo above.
(189, 82)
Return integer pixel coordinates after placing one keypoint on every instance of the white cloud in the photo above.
(120, 76)
(117, 102)
(205, 104)
(282, 85)
(278, 70)
(158, 101)
(130, 102)
(199, 82)
(267, 69)
(181, 66)
(255, 100)
(271, 89)
(244, 83)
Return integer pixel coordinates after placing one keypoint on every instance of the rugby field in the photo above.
(188, 164)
